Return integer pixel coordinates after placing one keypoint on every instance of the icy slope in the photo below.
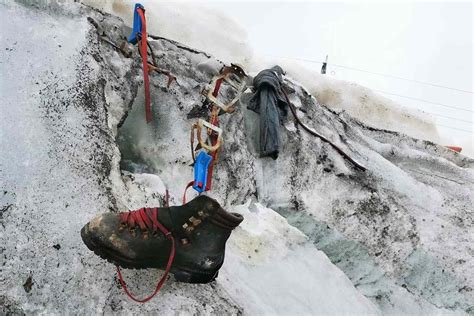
(63, 93)
(200, 26)
(391, 229)
(284, 274)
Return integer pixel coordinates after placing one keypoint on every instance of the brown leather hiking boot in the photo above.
(138, 240)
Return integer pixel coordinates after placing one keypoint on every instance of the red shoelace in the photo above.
(147, 219)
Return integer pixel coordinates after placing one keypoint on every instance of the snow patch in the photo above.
(270, 269)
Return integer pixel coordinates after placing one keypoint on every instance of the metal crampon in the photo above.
(232, 75)
(206, 153)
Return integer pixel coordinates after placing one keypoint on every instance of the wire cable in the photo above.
(401, 78)
(377, 73)
(459, 129)
(423, 100)
(449, 117)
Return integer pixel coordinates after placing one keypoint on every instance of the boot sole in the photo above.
(180, 274)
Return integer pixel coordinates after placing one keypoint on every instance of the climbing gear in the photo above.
(105, 38)
(201, 167)
(189, 185)
(208, 150)
(210, 129)
(122, 48)
(170, 76)
(314, 133)
(215, 139)
(154, 67)
(234, 76)
(139, 36)
(187, 241)
(203, 164)
(138, 24)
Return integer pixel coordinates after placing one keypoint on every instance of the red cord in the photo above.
(210, 170)
(160, 283)
(190, 184)
(148, 218)
(214, 122)
(146, 80)
(217, 87)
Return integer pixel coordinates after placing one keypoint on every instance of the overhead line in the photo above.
(423, 100)
(459, 129)
(448, 117)
(379, 74)
(401, 78)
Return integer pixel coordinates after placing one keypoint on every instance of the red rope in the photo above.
(148, 218)
(143, 52)
(210, 170)
(190, 184)
(213, 136)
(217, 87)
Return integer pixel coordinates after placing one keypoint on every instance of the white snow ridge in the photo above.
(319, 237)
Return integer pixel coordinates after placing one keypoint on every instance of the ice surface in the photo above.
(288, 275)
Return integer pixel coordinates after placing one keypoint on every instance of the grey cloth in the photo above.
(269, 102)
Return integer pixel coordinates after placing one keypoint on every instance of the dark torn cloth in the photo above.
(269, 102)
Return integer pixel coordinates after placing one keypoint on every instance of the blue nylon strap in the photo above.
(200, 171)
(137, 24)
